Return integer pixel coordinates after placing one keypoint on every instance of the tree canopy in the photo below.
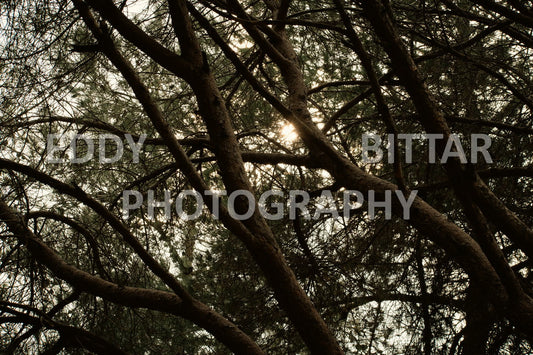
(247, 97)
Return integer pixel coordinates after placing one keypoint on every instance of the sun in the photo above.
(288, 133)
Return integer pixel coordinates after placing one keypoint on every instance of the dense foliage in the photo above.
(265, 95)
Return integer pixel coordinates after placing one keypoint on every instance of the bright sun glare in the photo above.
(288, 133)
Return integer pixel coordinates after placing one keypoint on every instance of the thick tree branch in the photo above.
(165, 57)
(162, 301)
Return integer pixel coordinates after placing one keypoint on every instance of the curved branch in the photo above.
(163, 301)
(93, 244)
(102, 211)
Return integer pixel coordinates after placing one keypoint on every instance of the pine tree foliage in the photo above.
(258, 96)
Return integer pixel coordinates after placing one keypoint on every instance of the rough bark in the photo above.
(162, 301)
